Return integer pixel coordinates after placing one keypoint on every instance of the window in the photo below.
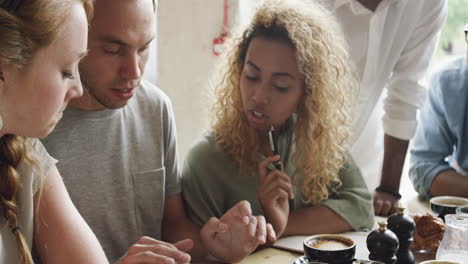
(452, 39)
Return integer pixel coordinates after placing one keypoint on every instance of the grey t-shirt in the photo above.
(31, 177)
(119, 165)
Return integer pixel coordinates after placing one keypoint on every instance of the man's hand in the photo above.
(384, 203)
(149, 250)
(274, 191)
(236, 234)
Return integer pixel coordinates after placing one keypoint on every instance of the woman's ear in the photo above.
(4, 73)
(2, 78)
(2, 83)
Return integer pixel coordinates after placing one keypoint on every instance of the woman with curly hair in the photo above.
(288, 70)
(41, 43)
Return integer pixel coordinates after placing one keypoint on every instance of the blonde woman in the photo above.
(287, 70)
(41, 43)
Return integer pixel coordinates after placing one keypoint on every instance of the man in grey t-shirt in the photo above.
(116, 147)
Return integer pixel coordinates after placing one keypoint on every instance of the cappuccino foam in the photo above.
(328, 244)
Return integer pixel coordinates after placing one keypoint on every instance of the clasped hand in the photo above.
(236, 234)
(232, 237)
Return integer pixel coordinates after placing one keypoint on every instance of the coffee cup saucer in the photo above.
(304, 260)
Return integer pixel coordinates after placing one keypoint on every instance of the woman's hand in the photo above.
(236, 234)
(274, 190)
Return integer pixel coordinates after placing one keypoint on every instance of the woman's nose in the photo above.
(262, 95)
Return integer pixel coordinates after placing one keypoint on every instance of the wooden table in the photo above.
(271, 256)
(280, 256)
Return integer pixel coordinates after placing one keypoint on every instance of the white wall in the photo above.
(185, 60)
(151, 70)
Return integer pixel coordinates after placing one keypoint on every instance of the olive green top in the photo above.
(212, 184)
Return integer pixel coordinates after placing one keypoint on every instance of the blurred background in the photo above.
(183, 61)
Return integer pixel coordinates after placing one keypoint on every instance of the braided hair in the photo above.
(12, 149)
(25, 26)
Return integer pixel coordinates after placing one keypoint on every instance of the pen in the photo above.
(274, 149)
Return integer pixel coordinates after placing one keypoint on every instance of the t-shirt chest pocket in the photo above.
(149, 193)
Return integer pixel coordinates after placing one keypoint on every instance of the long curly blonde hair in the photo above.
(322, 125)
(23, 31)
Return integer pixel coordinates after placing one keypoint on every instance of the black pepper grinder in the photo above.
(403, 226)
(382, 244)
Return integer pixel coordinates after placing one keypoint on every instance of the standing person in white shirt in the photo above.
(391, 43)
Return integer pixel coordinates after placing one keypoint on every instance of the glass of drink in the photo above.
(454, 245)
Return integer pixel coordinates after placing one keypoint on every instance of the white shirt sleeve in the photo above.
(406, 88)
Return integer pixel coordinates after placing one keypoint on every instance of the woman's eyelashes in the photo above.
(68, 75)
(279, 88)
(251, 77)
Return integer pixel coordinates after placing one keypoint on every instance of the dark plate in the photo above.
(304, 260)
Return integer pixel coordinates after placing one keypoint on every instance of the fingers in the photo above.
(386, 207)
(382, 207)
(257, 233)
(261, 230)
(213, 228)
(252, 227)
(280, 187)
(276, 196)
(146, 257)
(216, 226)
(271, 232)
(277, 179)
(262, 166)
(378, 206)
(384, 203)
(149, 250)
(184, 245)
(243, 211)
(250, 237)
